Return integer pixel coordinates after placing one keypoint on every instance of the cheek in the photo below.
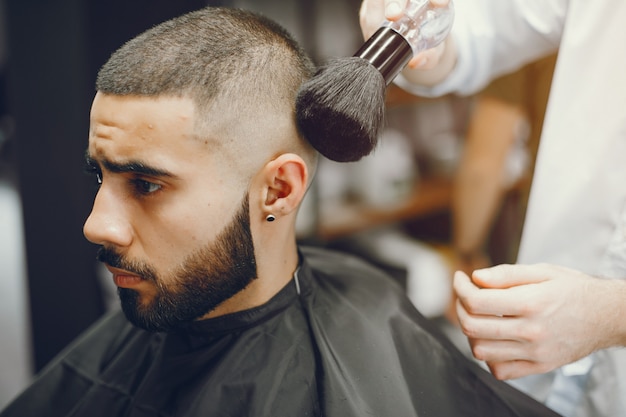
(182, 232)
(182, 224)
(203, 219)
(164, 239)
(199, 232)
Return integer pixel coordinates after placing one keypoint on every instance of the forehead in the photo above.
(141, 115)
(131, 126)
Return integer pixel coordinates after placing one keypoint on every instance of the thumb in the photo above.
(506, 276)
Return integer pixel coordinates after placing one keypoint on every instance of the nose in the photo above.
(108, 223)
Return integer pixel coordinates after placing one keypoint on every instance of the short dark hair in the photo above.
(209, 53)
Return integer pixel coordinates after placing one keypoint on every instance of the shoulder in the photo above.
(65, 381)
(100, 343)
(339, 279)
(345, 268)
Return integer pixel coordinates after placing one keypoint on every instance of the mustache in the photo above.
(110, 257)
(116, 260)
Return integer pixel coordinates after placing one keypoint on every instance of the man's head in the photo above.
(193, 139)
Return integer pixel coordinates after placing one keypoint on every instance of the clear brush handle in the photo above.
(394, 44)
(423, 25)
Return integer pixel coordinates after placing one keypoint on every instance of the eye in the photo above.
(94, 170)
(142, 187)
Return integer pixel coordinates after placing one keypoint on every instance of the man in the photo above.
(201, 171)
(529, 319)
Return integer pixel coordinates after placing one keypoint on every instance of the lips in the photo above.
(123, 278)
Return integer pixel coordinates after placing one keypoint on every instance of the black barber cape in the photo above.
(340, 340)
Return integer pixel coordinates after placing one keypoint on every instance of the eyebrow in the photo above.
(131, 166)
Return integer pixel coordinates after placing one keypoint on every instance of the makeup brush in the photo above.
(340, 110)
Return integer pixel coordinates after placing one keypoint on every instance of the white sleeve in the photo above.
(493, 37)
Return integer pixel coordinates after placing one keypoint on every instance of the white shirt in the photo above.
(577, 209)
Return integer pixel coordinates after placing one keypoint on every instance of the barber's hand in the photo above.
(529, 319)
(374, 12)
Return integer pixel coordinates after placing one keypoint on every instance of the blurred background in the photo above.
(446, 188)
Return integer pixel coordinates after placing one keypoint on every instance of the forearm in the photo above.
(479, 186)
(474, 208)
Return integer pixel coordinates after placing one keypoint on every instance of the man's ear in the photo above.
(285, 180)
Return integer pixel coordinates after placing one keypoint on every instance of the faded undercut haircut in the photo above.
(228, 55)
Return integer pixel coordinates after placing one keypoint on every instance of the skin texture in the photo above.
(529, 319)
(162, 216)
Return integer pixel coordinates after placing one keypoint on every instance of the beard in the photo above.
(204, 280)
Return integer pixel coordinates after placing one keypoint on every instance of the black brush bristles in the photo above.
(340, 111)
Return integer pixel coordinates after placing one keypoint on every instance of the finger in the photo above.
(489, 327)
(421, 61)
(498, 303)
(439, 3)
(394, 9)
(499, 350)
(517, 369)
(466, 292)
(462, 284)
(427, 59)
(507, 276)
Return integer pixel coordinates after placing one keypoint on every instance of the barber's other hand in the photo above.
(374, 12)
(530, 319)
